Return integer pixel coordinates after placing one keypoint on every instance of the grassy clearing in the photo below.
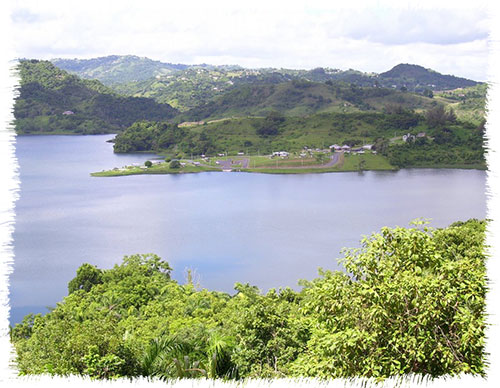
(155, 169)
(258, 161)
(366, 162)
(346, 163)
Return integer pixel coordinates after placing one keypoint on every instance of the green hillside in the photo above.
(300, 98)
(418, 78)
(468, 103)
(54, 101)
(194, 86)
(117, 68)
(186, 86)
(443, 141)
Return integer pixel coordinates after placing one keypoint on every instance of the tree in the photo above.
(175, 164)
(381, 144)
(148, 163)
(102, 367)
(439, 116)
(436, 116)
(428, 93)
(412, 301)
(270, 125)
(481, 127)
(87, 276)
(362, 165)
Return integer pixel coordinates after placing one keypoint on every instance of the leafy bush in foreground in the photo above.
(411, 300)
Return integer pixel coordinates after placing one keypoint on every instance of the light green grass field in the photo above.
(155, 169)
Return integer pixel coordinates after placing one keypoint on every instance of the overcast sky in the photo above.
(451, 39)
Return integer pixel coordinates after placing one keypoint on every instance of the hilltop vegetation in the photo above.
(117, 68)
(410, 301)
(469, 103)
(54, 101)
(265, 134)
(446, 141)
(186, 86)
(418, 78)
(301, 98)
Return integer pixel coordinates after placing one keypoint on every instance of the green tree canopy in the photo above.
(87, 276)
(409, 301)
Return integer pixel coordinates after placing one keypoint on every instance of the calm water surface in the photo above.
(268, 230)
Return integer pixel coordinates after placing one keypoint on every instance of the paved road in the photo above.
(333, 160)
(229, 164)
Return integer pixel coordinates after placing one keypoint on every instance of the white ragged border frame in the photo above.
(9, 190)
(9, 186)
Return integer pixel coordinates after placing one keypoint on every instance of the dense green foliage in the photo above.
(300, 98)
(266, 134)
(53, 101)
(469, 104)
(148, 136)
(411, 300)
(453, 143)
(447, 142)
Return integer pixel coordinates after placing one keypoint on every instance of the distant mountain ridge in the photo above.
(117, 68)
(416, 76)
(186, 86)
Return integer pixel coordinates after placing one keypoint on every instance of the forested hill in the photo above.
(417, 77)
(53, 101)
(117, 68)
(300, 98)
(186, 86)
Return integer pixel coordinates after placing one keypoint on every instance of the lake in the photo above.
(268, 230)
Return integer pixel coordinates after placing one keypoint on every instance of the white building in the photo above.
(408, 137)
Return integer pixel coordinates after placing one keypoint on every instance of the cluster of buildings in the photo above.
(282, 154)
(347, 149)
(333, 148)
(409, 137)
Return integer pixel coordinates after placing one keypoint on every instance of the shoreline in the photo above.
(111, 173)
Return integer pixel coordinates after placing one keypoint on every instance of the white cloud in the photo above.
(258, 34)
